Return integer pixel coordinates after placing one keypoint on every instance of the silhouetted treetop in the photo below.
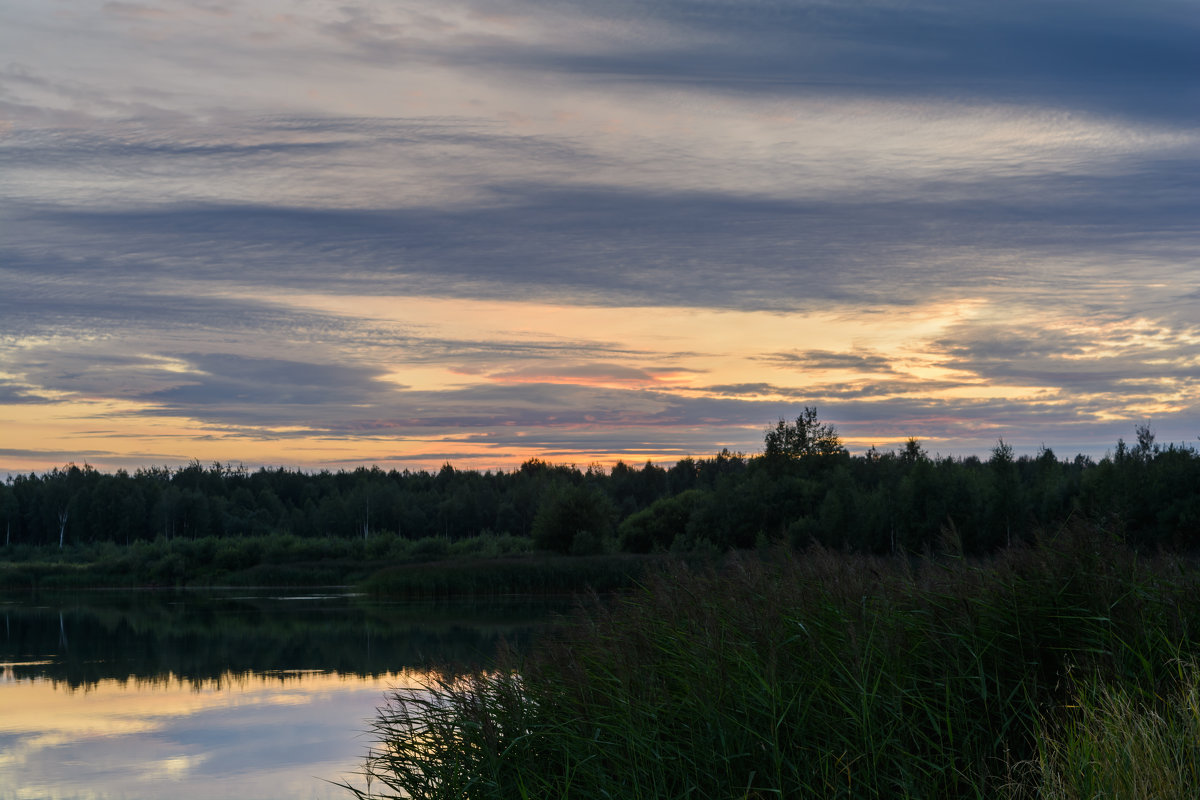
(805, 437)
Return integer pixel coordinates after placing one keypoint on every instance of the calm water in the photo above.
(247, 695)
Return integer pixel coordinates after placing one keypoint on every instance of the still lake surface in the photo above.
(247, 694)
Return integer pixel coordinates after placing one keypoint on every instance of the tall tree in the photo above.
(805, 437)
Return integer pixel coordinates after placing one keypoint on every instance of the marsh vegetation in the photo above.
(1063, 668)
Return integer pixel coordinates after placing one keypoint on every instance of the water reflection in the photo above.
(201, 636)
(242, 736)
(135, 695)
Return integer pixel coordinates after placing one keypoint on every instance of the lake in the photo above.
(254, 695)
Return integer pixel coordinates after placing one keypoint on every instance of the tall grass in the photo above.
(818, 675)
(1114, 741)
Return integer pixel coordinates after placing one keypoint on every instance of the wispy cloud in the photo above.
(825, 359)
(613, 227)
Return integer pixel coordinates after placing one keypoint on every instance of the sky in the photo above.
(328, 234)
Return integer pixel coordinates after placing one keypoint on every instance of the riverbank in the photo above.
(1056, 670)
(384, 565)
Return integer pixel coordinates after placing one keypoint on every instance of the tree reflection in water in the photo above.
(217, 694)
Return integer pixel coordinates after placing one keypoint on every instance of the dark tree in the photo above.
(806, 437)
(574, 519)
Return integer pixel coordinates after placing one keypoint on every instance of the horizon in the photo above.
(341, 234)
(606, 467)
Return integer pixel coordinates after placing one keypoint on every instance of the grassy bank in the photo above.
(1053, 671)
(421, 567)
(281, 560)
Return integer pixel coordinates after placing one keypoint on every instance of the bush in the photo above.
(660, 525)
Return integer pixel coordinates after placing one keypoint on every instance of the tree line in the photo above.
(803, 487)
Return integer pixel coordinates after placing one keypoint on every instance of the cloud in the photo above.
(14, 393)
(624, 246)
(227, 380)
(825, 359)
(1002, 198)
(95, 300)
(1122, 360)
(1103, 56)
(585, 374)
(135, 10)
(64, 455)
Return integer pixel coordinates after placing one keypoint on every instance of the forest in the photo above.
(803, 488)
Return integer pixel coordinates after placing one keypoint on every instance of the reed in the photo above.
(1112, 740)
(815, 675)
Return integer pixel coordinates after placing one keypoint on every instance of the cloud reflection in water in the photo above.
(251, 737)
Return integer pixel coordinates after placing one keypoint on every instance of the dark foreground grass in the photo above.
(833, 676)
